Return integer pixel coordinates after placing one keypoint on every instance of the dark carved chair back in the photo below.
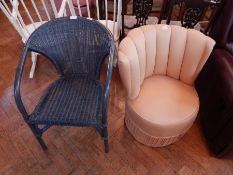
(190, 13)
(142, 10)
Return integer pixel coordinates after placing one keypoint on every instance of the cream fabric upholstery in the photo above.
(158, 65)
(162, 50)
(164, 106)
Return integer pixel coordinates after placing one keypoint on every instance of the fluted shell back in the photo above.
(167, 50)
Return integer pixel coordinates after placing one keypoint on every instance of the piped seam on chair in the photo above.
(130, 84)
(183, 56)
(137, 55)
(169, 51)
(145, 55)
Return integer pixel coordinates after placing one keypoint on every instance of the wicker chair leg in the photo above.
(41, 142)
(38, 134)
(106, 145)
(105, 138)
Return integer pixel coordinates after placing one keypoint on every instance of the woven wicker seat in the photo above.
(75, 107)
(77, 47)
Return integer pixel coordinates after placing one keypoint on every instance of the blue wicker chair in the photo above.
(77, 48)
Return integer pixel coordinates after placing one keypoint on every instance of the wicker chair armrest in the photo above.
(109, 75)
(17, 83)
(107, 85)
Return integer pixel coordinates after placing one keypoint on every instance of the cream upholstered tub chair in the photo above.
(158, 65)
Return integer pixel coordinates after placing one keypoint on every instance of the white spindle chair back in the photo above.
(37, 11)
(113, 24)
(26, 16)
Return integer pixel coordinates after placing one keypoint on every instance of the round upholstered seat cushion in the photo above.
(163, 111)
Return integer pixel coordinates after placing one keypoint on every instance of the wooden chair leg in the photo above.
(34, 59)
